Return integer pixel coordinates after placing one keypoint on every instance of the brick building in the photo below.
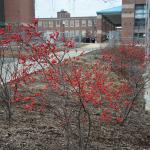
(133, 19)
(70, 26)
(130, 17)
(16, 11)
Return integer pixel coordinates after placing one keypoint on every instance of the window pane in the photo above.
(83, 23)
(40, 23)
(71, 33)
(89, 23)
(139, 22)
(83, 33)
(57, 23)
(77, 23)
(66, 23)
(45, 24)
(50, 23)
(71, 23)
(77, 33)
(140, 11)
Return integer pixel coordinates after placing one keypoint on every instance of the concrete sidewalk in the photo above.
(9, 68)
(147, 91)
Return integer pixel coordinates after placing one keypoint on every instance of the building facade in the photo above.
(70, 26)
(133, 20)
(130, 17)
(16, 11)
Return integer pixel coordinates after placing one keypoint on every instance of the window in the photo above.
(50, 23)
(77, 33)
(140, 14)
(77, 23)
(139, 35)
(71, 23)
(40, 24)
(140, 11)
(57, 23)
(83, 23)
(45, 24)
(139, 22)
(89, 23)
(94, 21)
(66, 33)
(66, 23)
(71, 33)
(83, 33)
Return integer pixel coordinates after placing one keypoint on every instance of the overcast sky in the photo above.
(48, 8)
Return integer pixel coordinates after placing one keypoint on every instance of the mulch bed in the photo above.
(34, 130)
(30, 130)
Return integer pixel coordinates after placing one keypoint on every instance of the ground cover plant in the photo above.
(78, 95)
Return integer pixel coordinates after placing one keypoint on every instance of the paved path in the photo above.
(147, 92)
(147, 97)
(10, 65)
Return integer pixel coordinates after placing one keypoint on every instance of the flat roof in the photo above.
(113, 10)
(84, 17)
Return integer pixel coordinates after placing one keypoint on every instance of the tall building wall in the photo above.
(128, 18)
(19, 11)
(2, 14)
(27, 10)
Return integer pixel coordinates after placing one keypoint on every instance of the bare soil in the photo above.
(33, 130)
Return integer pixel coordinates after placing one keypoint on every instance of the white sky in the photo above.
(48, 8)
